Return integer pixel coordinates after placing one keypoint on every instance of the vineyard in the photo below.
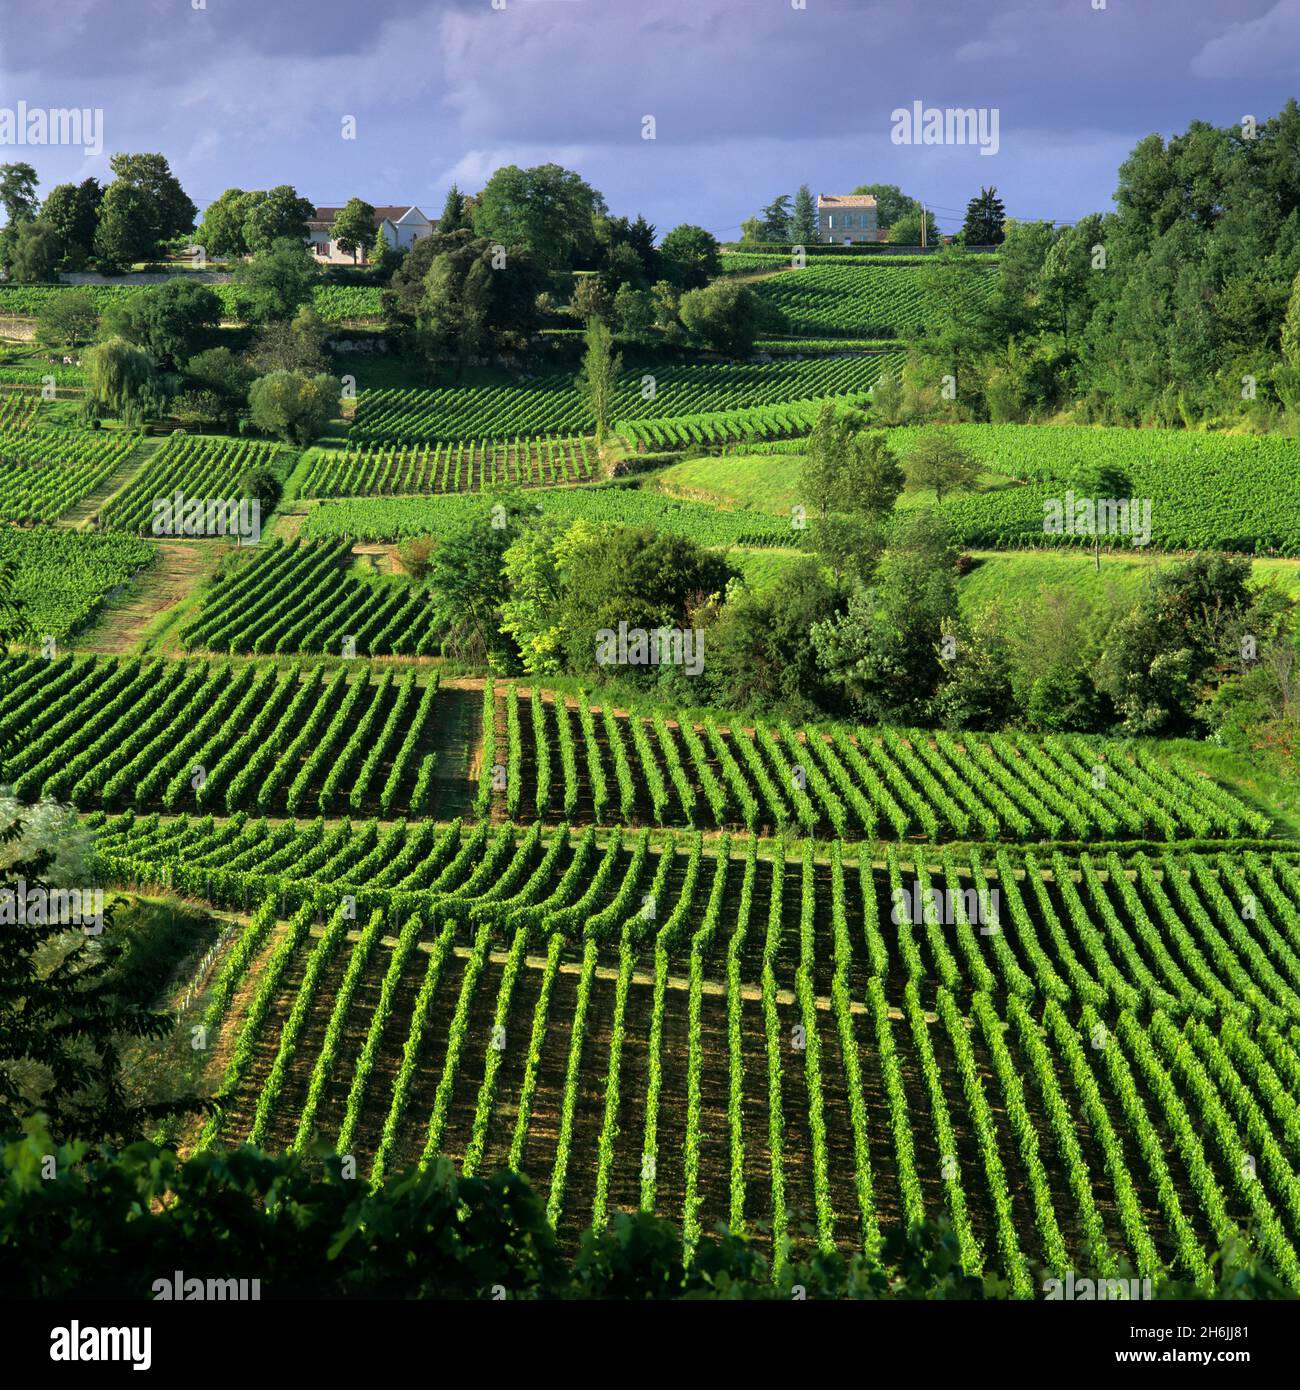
(1071, 1058)
(1227, 492)
(378, 470)
(154, 734)
(392, 518)
(829, 298)
(62, 576)
(551, 404)
(200, 736)
(282, 598)
(46, 472)
(580, 763)
(725, 426)
(200, 468)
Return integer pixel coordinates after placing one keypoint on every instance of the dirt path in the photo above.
(181, 567)
(84, 515)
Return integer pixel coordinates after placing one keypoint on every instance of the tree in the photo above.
(691, 257)
(34, 252)
(891, 202)
(848, 467)
(729, 316)
(161, 209)
(18, 192)
(67, 319)
(275, 282)
(531, 566)
(632, 575)
(454, 216)
(1291, 326)
(985, 217)
(938, 461)
(775, 218)
(751, 232)
(467, 580)
(634, 312)
(803, 219)
(291, 345)
(760, 657)
(474, 300)
(548, 210)
(170, 321)
(221, 233)
(279, 214)
(885, 651)
(72, 213)
(292, 406)
(354, 227)
(599, 375)
(223, 375)
(1158, 658)
(1092, 482)
(850, 480)
(120, 377)
(123, 234)
(906, 230)
(641, 238)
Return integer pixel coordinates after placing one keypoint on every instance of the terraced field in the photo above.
(382, 471)
(1069, 1057)
(282, 597)
(884, 299)
(549, 404)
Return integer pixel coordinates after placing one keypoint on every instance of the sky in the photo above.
(749, 98)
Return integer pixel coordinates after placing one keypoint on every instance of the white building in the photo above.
(847, 217)
(402, 228)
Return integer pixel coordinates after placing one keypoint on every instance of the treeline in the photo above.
(1180, 307)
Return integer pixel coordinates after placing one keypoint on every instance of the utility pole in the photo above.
(923, 222)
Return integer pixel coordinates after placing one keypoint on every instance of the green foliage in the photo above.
(170, 321)
(70, 319)
(985, 215)
(354, 227)
(937, 461)
(548, 211)
(690, 256)
(279, 214)
(729, 317)
(293, 406)
(142, 208)
(599, 376)
(120, 377)
(33, 252)
(275, 282)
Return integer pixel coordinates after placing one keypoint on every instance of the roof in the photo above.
(324, 217)
(845, 200)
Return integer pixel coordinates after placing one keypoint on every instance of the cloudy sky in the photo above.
(750, 98)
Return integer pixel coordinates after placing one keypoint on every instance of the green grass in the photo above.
(1017, 576)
